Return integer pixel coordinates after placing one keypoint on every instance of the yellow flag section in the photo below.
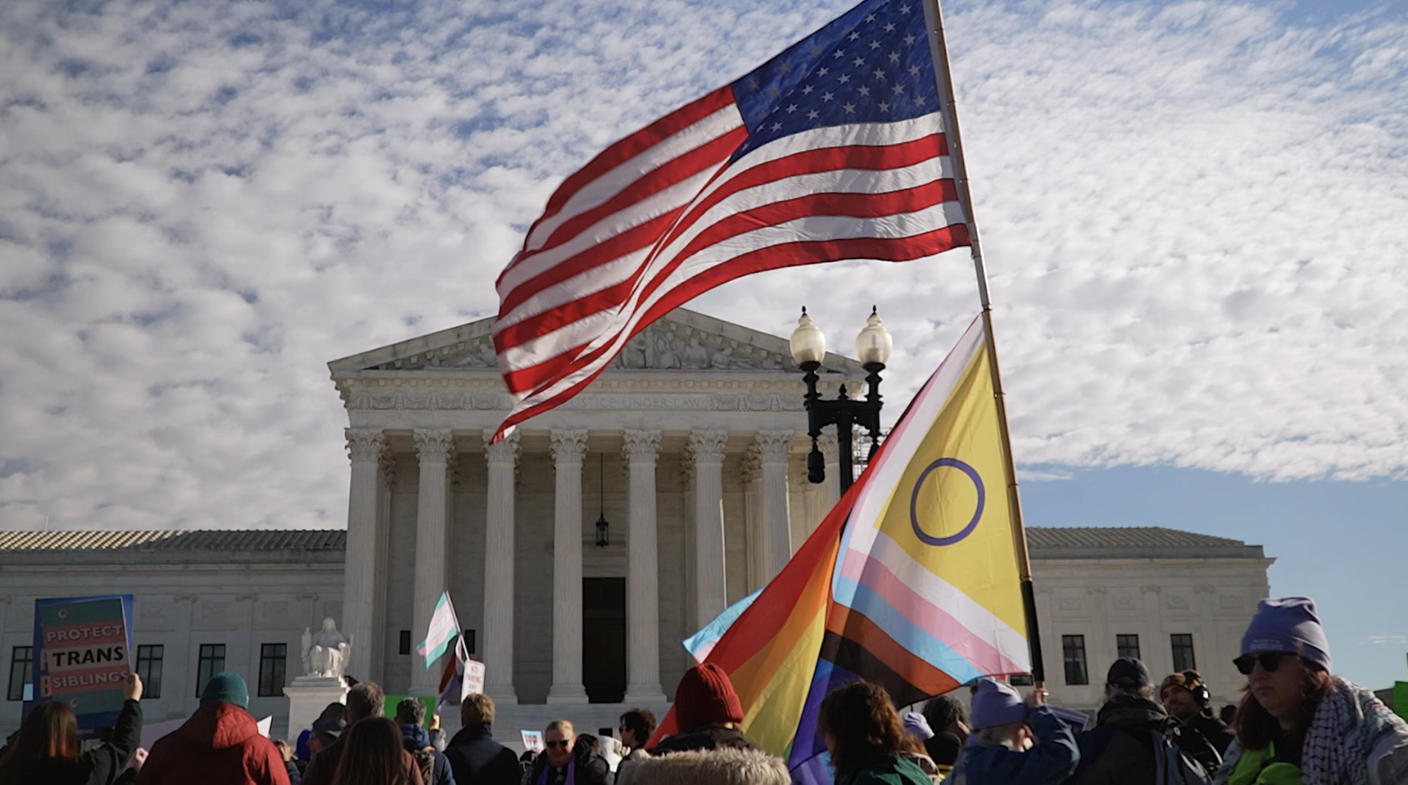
(928, 570)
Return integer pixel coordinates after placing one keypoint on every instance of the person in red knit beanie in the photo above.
(708, 712)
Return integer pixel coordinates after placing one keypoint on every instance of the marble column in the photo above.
(498, 570)
(706, 448)
(433, 448)
(375, 666)
(360, 589)
(568, 447)
(773, 450)
(642, 449)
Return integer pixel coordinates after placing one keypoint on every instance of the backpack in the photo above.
(1172, 767)
(425, 759)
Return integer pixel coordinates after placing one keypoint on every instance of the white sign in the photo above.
(533, 740)
(473, 681)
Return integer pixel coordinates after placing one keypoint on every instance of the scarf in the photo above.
(571, 771)
(1341, 736)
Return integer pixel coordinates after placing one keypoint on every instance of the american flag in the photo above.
(832, 150)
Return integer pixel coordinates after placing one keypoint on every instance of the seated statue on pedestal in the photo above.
(327, 653)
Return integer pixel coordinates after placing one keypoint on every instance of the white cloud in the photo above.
(1193, 215)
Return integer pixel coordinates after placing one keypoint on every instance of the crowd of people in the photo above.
(1296, 724)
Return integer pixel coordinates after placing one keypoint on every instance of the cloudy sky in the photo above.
(1195, 216)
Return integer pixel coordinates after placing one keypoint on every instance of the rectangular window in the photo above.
(1073, 652)
(405, 641)
(21, 672)
(1127, 646)
(212, 661)
(1183, 659)
(149, 668)
(272, 658)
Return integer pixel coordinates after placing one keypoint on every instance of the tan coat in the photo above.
(715, 767)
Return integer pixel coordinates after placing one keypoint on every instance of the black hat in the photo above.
(1129, 673)
(331, 722)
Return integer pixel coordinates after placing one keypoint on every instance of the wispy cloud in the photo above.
(1192, 213)
(1381, 640)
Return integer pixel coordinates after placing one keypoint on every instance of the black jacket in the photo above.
(476, 759)
(706, 737)
(1119, 750)
(101, 766)
(592, 769)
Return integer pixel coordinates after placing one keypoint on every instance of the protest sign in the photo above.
(533, 740)
(473, 681)
(82, 655)
(1400, 699)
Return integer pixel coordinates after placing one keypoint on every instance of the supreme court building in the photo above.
(583, 549)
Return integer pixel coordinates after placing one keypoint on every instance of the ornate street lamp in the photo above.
(603, 529)
(873, 347)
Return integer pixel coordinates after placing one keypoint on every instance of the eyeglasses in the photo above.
(1268, 660)
(565, 743)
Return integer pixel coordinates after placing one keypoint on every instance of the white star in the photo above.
(874, 44)
(838, 54)
(858, 63)
(894, 57)
(884, 106)
(823, 72)
(899, 89)
(904, 9)
(843, 79)
(774, 92)
(791, 108)
(914, 70)
(864, 91)
(879, 74)
(807, 89)
(826, 96)
(777, 126)
(890, 27)
(919, 101)
(850, 108)
(785, 68)
(753, 83)
(909, 40)
(816, 51)
(870, 18)
(854, 36)
(813, 114)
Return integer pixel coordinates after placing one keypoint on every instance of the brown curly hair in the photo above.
(864, 726)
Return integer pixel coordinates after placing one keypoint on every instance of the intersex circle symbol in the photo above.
(972, 473)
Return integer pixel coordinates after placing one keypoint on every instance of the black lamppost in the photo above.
(873, 347)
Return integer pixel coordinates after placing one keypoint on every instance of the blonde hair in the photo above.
(1009, 736)
(565, 726)
(476, 708)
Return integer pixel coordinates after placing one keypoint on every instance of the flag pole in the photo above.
(939, 49)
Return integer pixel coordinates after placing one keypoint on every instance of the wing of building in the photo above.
(580, 552)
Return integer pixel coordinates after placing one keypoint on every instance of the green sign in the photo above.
(392, 701)
(1400, 699)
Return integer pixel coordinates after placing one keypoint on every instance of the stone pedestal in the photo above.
(308, 696)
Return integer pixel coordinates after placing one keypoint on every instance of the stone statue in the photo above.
(327, 653)
(696, 357)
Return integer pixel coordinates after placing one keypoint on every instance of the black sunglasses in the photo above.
(1269, 661)
(563, 744)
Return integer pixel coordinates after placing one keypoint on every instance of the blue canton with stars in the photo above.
(873, 64)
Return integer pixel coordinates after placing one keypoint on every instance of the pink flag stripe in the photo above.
(924, 614)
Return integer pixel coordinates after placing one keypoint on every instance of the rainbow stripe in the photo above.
(911, 581)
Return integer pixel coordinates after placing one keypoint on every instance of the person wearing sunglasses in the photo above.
(1297, 723)
(565, 762)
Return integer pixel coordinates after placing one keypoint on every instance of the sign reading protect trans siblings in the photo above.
(82, 655)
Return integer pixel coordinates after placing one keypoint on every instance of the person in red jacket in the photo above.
(219, 745)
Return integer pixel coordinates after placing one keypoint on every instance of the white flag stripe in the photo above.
(816, 227)
(922, 581)
(902, 443)
(583, 284)
(836, 227)
(609, 226)
(632, 170)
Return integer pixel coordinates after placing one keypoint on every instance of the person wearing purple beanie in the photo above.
(1016, 742)
(1300, 725)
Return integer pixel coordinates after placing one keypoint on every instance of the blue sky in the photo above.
(1193, 214)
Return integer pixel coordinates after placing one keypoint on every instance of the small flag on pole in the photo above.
(444, 626)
